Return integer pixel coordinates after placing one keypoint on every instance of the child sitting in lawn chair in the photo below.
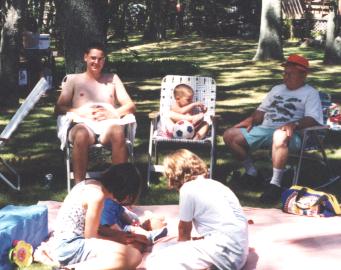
(119, 222)
(184, 109)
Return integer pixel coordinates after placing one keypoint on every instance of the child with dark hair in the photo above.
(78, 242)
(116, 217)
(95, 45)
(128, 189)
(215, 213)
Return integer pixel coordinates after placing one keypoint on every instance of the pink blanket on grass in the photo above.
(277, 240)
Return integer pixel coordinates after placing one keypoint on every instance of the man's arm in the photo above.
(185, 229)
(94, 206)
(114, 233)
(304, 122)
(124, 100)
(63, 105)
(254, 119)
(64, 102)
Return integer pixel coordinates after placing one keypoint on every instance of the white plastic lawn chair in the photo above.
(204, 91)
(41, 87)
(129, 121)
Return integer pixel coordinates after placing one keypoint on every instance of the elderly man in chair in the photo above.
(286, 109)
(94, 98)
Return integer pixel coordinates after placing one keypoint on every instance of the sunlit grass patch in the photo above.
(241, 85)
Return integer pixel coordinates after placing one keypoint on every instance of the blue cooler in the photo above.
(28, 223)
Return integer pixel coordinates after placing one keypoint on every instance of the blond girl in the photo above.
(215, 213)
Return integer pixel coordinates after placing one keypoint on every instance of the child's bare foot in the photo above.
(153, 221)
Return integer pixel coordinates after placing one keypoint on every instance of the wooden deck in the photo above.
(298, 9)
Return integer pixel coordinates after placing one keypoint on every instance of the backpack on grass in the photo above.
(305, 201)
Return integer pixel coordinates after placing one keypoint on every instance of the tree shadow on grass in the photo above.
(242, 83)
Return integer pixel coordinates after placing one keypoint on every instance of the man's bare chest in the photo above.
(93, 92)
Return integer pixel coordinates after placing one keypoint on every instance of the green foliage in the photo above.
(159, 193)
(59, 71)
(152, 68)
(286, 26)
(318, 34)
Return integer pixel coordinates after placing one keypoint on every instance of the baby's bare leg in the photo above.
(202, 131)
(197, 118)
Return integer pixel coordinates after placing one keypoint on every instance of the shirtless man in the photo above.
(94, 96)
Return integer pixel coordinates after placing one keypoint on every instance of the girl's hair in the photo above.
(182, 166)
(181, 89)
(123, 181)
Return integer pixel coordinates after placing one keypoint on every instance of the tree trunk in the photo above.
(113, 14)
(156, 20)
(41, 11)
(180, 13)
(332, 53)
(81, 22)
(270, 36)
(211, 19)
(120, 21)
(50, 16)
(9, 53)
(196, 18)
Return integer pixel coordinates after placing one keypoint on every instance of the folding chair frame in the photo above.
(41, 87)
(314, 133)
(314, 136)
(130, 137)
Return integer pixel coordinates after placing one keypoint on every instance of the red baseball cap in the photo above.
(299, 61)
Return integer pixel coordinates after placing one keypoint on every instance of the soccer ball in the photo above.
(183, 130)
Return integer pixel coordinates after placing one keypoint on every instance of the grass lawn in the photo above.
(242, 83)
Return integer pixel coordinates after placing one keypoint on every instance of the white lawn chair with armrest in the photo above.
(205, 92)
(129, 121)
(41, 87)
